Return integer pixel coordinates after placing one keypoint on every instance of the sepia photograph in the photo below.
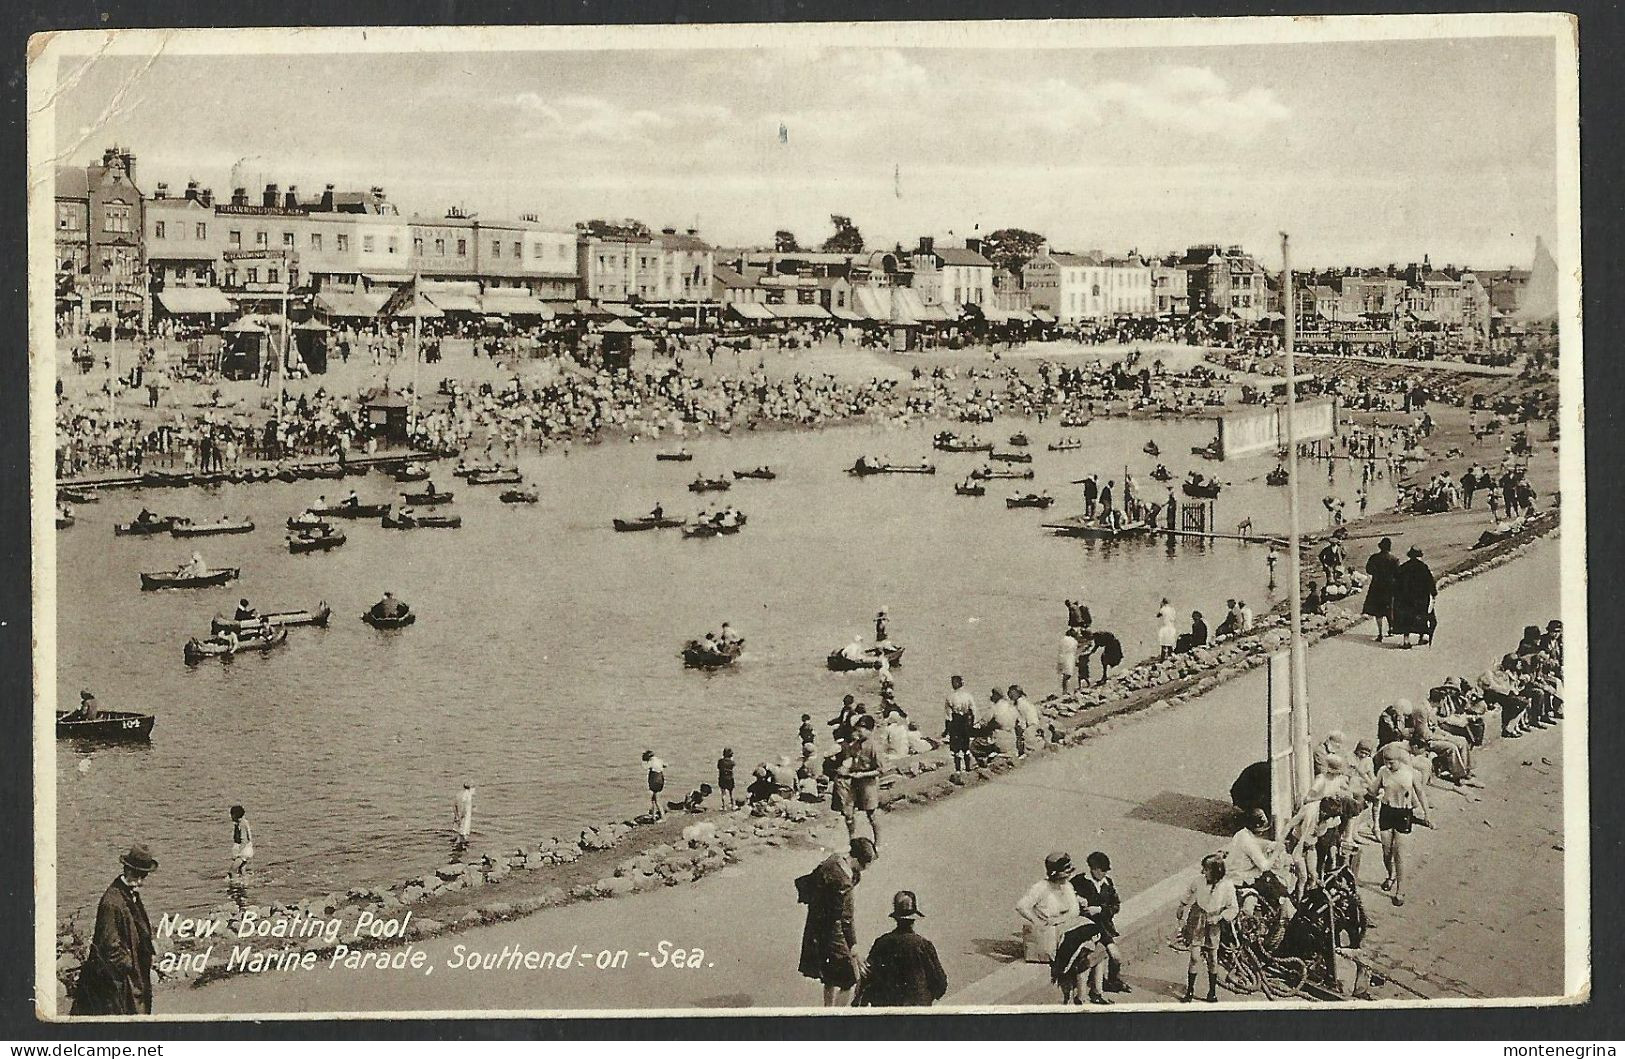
(808, 519)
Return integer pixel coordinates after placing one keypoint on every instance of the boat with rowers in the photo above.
(183, 578)
(680, 456)
(1020, 440)
(1276, 477)
(412, 472)
(1162, 474)
(463, 470)
(1039, 500)
(864, 467)
(760, 474)
(712, 654)
(519, 496)
(108, 726)
(500, 476)
(967, 489)
(185, 527)
(409, 519)
(228, 645)
(1065, 445)
(144, 525)
(655, 519)
(720, 524)
(709, 485)
(317, 616)
(348, 509)
(315, 540)
(1012, 457)
(428, 499)
(64, 519)
(77, 496)
(986, 474)
(856, 656)
(1202, 488)
(947, 441)
(1151, 449)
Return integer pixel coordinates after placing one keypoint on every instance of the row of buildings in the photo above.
(168, 253)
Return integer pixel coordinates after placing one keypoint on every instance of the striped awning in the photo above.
(184, 300)
(750, 311)
(351, 303)
(1043, 316)
(513, 302)
(798, 311)
(842, 313)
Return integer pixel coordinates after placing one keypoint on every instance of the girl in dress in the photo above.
(242, 841)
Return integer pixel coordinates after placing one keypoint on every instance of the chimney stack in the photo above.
(206, 197)
(928, 244)
(239, 196)
(291, 199)
(268, 199)
(191, 191)
(327, 199)
(161, 191)
(668, 231)
(693, 231)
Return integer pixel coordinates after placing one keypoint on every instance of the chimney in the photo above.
(927, 244)
(268, 199)
(291, 199)
(529, 217)
(239, 196)
(162, 191)
(206, 197)
(693, 231)
(327, 199)
(129, 164)
(973, 245)
(191, 191)
(668, 231)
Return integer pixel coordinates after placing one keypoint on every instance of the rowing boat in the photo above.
(217, 647)
(760, 474)
(970, 490)
(862, 469)
(351, 510)
(632, 525)
(840, 663)
(410, 474)
(1020, 440)
(1042, 502)
(987, 474)
(144, 529)
(674, 457)
(108, 726)
(697, 656)
(1012, 457)
(171, 579)
(276, 618)
(709, 485)
(300, 544)
(518, 496)
(500, 476)
(182, 527)
(1205, 491)
(399, 621)
(76, 496)
(63, 520)
(422, 521)
(428, 499)
(1064, 446)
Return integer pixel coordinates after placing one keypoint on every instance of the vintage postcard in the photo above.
(808, 518)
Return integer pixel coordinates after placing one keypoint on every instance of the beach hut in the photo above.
(616, 345)
(310, 339)
(245, 349)
(384, 413)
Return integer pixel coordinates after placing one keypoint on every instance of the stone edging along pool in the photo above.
(583, 868)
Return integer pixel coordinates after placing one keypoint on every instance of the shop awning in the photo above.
(750, 311)
(843, 313)
(247, 325)
(995, 316)
(453, 301)
(514, 303)
(869, 304)
(418, 309)
(934, 314)
(181, 300)
(798, 311)
(351, 303)
(1043, 316)
(617, 327)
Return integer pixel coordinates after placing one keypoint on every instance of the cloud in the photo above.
(1186, 99)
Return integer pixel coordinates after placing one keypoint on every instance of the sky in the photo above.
(1367, 152)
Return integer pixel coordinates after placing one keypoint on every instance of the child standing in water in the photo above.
(657, 782)
(242, 841)
(725, 777)
(462, 816)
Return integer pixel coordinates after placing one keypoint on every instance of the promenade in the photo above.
(1152, 793)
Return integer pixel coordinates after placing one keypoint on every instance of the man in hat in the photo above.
(829, 939)
(1414, 589)
(116, 978)
(89, 709)
(903, 967)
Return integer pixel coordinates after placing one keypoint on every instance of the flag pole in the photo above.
(1302, 772)
(417, 355)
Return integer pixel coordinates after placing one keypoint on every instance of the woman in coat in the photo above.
(1382, 568)
(829, 939)
(1414, 589)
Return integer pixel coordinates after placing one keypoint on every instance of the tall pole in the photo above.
(282, 356)
(112, 350)
(417, 355)
(1302, 772)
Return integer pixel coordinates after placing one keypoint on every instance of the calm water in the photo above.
(545, 657)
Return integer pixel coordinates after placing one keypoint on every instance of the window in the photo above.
(394, 245)
(539, 250)
(234, 240)
(201, 231)
(517, 250)
(439, 248)
(496, 248)
(253, 275)
(272, 275)
(417, 245)
(116, 217)
(158, 230)
(261, 239)
(343, 242)
(462, 248)
(67, 218)
(231, 277)
(316, 241)
(287, 240)
(564, 251)
(369, 243)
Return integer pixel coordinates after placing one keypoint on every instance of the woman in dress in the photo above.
(1414, 589)
(1051, 913)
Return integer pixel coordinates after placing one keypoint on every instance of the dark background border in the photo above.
(1601, 48)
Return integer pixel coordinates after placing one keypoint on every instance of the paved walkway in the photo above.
(1152, 793)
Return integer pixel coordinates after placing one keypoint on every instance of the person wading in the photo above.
(116, 978)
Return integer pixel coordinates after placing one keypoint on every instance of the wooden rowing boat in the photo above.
(399, 621)
(519, 496)
(987, 474)
(1012, 457)
(170, 579)
(674, 457)
(182, 527)
(428, 499)
(1042, 502)
(697, 656)
(277, 619)
(840, 663)
(144, 529)
(862, 469)
(1095, 530)
(501, 476)
(633, 525)
(301, 543)
(406, 522)
(217, 647)
(109, 726)
(351, 510)
(760, 474)
(709, 485)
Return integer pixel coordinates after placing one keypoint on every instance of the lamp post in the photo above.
(1302, 772)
